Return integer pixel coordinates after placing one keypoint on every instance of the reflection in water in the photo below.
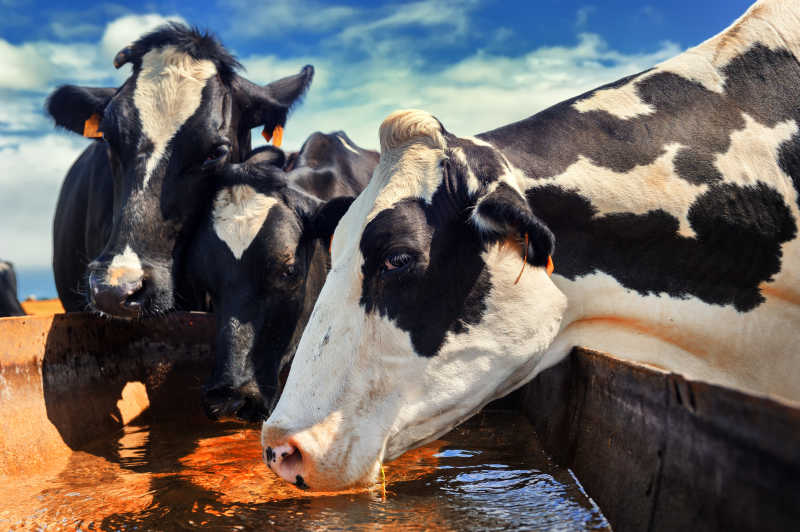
(489, 474)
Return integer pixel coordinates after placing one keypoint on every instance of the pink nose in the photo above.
(286, 461)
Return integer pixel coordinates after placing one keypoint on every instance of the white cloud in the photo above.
(31, 171)
(38, 65)
(476, 94)
(124, 30)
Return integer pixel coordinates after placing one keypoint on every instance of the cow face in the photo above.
(181, 115)
(424, 317)
(263, 256)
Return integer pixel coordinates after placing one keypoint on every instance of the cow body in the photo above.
(131, 201)
(672, 197)
(263, 254)
(9, 302)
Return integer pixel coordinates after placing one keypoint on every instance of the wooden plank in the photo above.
(659, 452)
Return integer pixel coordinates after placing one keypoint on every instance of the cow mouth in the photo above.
(231, 406)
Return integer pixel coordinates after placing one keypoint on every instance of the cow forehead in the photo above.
(409, 172)
(168, 92)
(238, 215)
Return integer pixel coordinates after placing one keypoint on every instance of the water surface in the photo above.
(489, 474)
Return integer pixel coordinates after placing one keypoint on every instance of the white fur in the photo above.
(347, 144)
(239, 212)
(168, 92)
(622, 102)
(358, 394)
(124, 267)
(378, 397)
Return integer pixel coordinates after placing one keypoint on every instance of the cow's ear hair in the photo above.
(266, 155)
(324, 220)
(504, 213)
(71, 106)
(269, 106)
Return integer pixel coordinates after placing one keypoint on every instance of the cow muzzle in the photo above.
(244, 403)
(122, 296)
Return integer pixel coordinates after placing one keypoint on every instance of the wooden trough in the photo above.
(654, 450)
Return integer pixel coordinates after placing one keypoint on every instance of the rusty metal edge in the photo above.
(657, 451)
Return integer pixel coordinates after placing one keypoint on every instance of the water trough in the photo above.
(654, 450)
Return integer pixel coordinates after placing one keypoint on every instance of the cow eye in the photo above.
(289, 273)
(216, 155)
(396, 262)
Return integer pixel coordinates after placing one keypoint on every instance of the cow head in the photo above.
(263, 256)
(181, 115)
(424, 317)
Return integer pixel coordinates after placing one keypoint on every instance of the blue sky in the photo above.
(476, 64)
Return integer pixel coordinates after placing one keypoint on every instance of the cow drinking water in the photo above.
(129, 204)
(673, 196)
(262, 254)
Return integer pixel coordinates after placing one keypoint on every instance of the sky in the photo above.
(475, 64)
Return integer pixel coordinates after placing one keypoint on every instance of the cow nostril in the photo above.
(287, 462)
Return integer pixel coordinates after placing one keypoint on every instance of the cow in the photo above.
(130, 203)
(673, 196)
(262, 253)
(9, 303)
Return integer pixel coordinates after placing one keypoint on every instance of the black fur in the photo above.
(101, 209)
(9, 302)
(274, 285)
(644, 252)
(197, 43)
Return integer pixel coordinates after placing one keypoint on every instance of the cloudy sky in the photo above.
(476, 64)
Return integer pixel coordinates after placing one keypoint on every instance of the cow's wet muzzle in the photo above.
(242, 404)
(123, 299)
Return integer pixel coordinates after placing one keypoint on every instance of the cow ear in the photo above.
(325, 219)
(269, 105)
(266, 156)
(504, 214)
(71, 106)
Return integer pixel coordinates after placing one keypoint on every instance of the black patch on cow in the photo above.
(9, 303)
(761, 82)
(484, 161)
(789, 160)
(510, 215)
(738, 238)
(444, 288)
(738, 244)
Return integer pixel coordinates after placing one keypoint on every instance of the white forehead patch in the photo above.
(346, 144)
(4, 266)
(168, 91)
(239, 213)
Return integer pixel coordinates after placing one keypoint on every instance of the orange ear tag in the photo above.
(91, 128)
(276, 136)
(550, 266)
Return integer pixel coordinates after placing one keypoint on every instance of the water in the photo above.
(489, 474)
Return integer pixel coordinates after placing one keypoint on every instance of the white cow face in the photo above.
(424, 317)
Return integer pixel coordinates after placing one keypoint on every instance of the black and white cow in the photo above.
(674, 196)
(263, 254)
(130, 203)
(9, 302)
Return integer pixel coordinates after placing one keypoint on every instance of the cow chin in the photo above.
(358, 393)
